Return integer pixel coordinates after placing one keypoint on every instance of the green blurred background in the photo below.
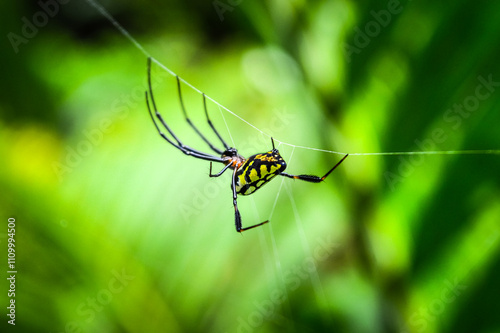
(117, 231)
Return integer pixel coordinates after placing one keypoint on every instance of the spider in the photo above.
(248, 175)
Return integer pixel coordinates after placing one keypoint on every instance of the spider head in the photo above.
(230, 153)
(231, 156)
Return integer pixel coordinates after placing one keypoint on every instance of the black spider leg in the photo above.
(237, 215)
(215, 149)
(179, 145)
(221, 172)
(212, 125)
(311, 178)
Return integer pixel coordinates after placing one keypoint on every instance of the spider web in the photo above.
(276, 271)
(105, 13)
(273, 251)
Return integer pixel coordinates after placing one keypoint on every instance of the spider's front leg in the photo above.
(237, 215)
(219, 173)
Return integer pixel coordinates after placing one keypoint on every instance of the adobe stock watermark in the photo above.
(420, 319)
(363, 37)
(30, 26)
(87, 310)
(92, 138)
(293, 279)
(201, 198)
(228, 6)
(454, 117)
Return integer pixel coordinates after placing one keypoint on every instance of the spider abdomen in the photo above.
(258, 170)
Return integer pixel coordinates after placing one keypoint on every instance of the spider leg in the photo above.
(179, 145)
(215, 149)
(212, 125)
(221, 172)
(311, 178)
(237, 215)
(185, 149)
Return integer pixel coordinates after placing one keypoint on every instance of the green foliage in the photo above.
(117, 231)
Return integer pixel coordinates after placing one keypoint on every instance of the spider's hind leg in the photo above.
(237, 215)
(312, 178)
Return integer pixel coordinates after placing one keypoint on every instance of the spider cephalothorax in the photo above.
(248, 174)
(232, 158)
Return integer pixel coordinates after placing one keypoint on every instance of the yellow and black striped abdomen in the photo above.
(258, 170)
